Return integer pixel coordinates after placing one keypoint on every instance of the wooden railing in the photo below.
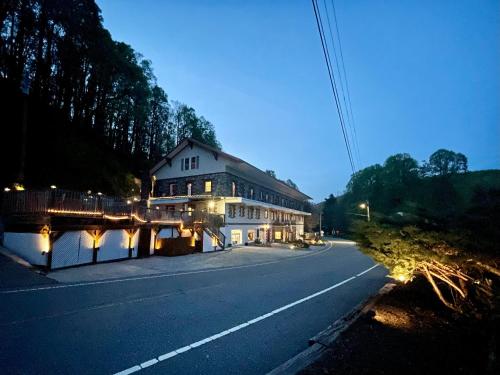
(41, 202)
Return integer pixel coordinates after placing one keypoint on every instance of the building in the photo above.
(243, 202)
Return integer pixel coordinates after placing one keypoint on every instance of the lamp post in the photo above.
(366, 205)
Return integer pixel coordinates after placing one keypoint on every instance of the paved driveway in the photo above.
(235, 257)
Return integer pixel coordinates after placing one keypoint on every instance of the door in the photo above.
(144, 242)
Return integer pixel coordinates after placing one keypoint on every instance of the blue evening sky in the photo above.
(423, 75)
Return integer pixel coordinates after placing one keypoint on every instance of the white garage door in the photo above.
(72, 248)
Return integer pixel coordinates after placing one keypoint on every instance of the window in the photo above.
(251, 235)
(266, 214)
(242, 211)
(236, 236)
(257, 214)
(261, 195)
(193, 162)
(189, 188)
(267, 197)
(208, 186)
(172, 189)
(277, 236)
(186, 164)
(233, 189)
(232, 210)
(251, 193)
(250, 212)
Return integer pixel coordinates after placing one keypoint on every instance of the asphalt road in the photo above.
(245, 320)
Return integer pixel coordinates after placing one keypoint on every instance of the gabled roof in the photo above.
(248, 170)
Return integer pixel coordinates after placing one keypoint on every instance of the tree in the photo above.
(444, 162)
(82, 80)
(329, 207)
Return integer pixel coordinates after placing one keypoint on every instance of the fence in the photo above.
(79, 204)
(41, 202)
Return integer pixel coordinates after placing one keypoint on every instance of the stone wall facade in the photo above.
(222, 187)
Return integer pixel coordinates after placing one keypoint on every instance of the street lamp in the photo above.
(366, 205)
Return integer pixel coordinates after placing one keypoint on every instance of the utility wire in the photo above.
(346, 81)
(332, 82)
(349, 122)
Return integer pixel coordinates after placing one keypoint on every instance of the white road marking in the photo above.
(129, 370)
(196, 344)
(365, 271)
(157, 276)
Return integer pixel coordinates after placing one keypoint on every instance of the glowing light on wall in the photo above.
(45, 243)
(110, 217)
(71, 212)
(138, 219)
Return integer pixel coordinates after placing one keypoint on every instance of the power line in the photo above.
(333, 83)
(346, 80)
(349, 115)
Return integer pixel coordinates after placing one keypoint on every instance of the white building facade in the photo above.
(249, 205)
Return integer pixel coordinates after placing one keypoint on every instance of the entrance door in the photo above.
(144, 242)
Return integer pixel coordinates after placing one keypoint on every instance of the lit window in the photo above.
(251, 235)
(266, 214)
(277, 236)
(208, 186)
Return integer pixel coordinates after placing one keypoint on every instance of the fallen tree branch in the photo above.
(449, 282)
(437, 290)
(493, 270)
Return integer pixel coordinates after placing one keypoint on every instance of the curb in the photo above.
(323, 341)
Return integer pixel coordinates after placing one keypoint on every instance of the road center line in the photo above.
(157, 276)
(196, 344)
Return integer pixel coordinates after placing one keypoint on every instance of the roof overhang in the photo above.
(168, 200)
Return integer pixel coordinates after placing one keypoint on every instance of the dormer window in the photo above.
(190, 163)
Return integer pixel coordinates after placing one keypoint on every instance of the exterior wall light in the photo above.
(6, 189)
(53, 186)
